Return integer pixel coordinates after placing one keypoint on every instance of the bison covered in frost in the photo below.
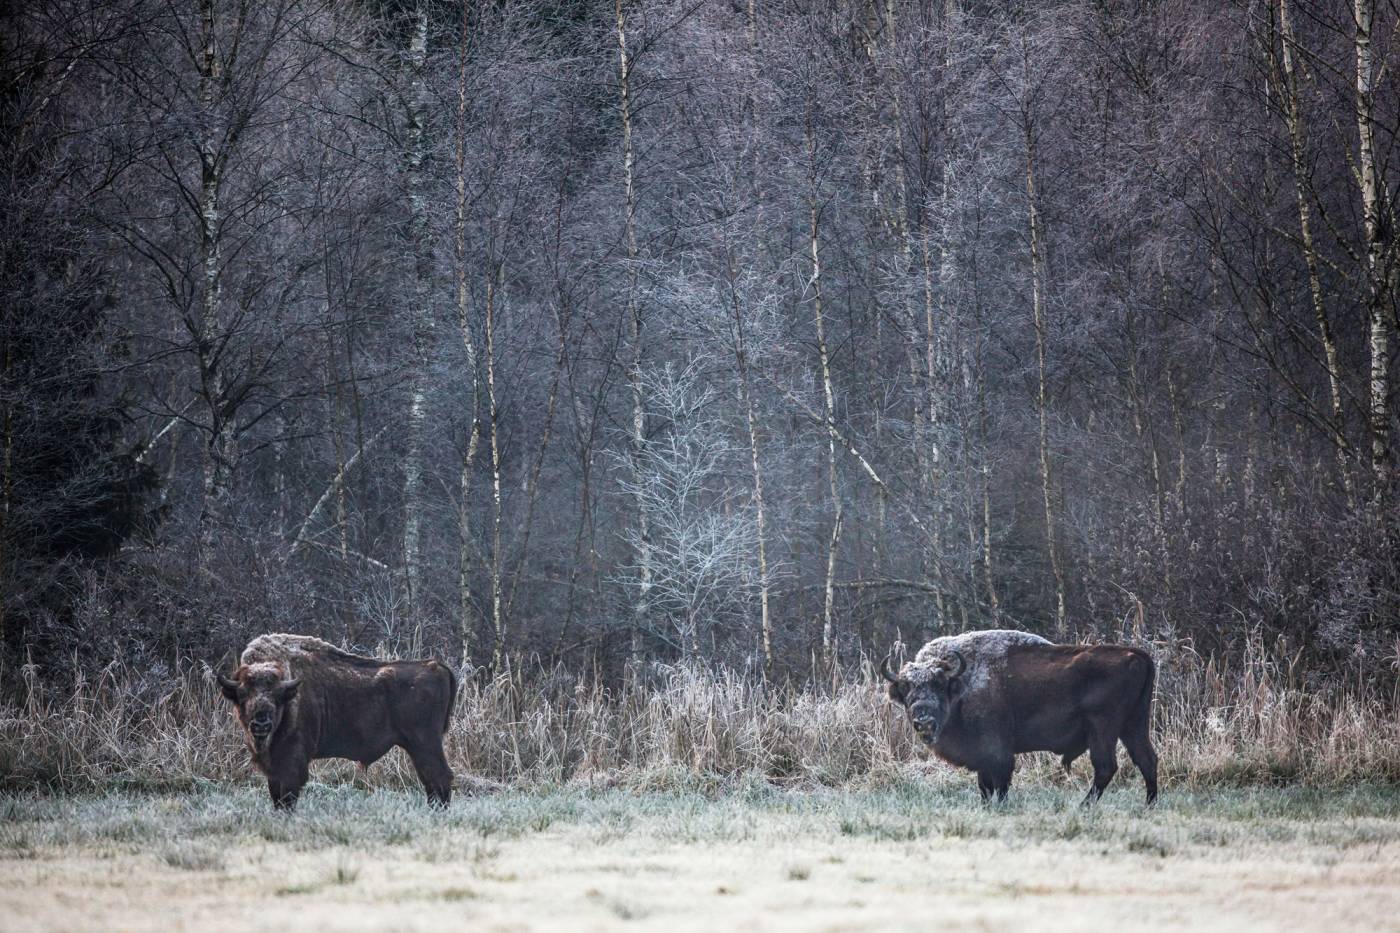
(299, 699)
(981, 698)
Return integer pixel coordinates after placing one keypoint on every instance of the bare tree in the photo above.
(703, 536)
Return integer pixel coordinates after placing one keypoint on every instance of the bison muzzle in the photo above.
(982, 698)
(299, 699)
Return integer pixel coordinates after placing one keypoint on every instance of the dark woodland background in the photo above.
(754, 333)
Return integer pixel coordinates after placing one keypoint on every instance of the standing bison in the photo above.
(299, 698)
(981, 698)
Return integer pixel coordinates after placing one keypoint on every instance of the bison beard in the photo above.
(982, 698)
(299, 699)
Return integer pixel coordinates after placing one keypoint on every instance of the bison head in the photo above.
(927, 690)
(261, 693)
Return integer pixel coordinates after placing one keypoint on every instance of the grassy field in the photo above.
(914, 852)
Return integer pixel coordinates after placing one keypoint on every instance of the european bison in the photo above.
(300, 698)
(981, 698)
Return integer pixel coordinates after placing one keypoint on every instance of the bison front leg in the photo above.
(994, 779)
(985, 786)
(285, 785)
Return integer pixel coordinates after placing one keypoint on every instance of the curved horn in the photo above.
(885, 669)
(229, 688)
(962, 664)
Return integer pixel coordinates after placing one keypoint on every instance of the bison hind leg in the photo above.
(1103, 753)
(1142, 753)
(433, 770)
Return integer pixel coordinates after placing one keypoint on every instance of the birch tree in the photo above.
(418, 308)
(1290, 82)
(638, 437)
(1371, 185)
(465, 547)
(812, 292)
(1028, 117)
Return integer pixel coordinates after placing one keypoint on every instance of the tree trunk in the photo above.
(464, 530)
(420, 312)
(492, 414)
(1038, 317)
(1370, 180)
(634, 322)
(989, 576)
(1293, 113)
(741, 360)
(7, 437)
(829, 646)
(1173, 395)
(936, 313)
(221, 454)
(741, 352)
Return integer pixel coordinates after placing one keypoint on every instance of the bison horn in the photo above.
(885, 670)
(962, 665)
(229, 687)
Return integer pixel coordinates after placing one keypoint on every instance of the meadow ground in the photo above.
(913, 853)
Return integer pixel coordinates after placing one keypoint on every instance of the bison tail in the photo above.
(1141, 715)
(451, 698)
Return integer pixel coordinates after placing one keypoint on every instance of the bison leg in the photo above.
(985, 786)
(285, 786)
(995, 778)
(1103, 753)
(1067, 759)
(1142, 753)
(1002, 777)
(1137, 738)
(433, 770)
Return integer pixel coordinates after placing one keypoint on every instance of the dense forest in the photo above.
(762, 334)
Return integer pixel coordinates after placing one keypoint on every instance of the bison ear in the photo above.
(229, 688)
(286, 691)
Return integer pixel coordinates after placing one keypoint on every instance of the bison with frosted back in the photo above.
(299, 699)
(981, 698)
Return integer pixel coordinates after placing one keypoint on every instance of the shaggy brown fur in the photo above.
(299, 699)
(990, 699)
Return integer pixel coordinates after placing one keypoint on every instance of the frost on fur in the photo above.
(983, 651)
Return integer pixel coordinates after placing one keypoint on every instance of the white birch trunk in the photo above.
(1293, 113)
(464, 526)
(221, 453)
(1038, 317)
(741, 359)
(1378, 414)
(634, 321)
(419, 312)
(829, 645)
(497, 621)
(986, 471)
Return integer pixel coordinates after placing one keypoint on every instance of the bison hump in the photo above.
(282, 647)
(983, 651)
